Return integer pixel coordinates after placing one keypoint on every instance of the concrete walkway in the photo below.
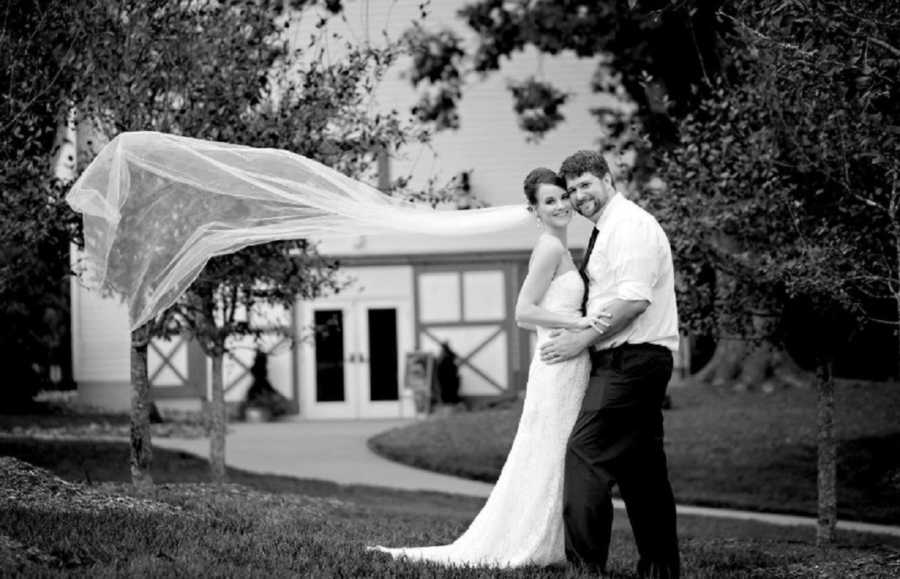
(337, 451)
(329, 450)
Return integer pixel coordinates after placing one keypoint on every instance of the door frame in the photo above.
(366, 407)
(356, 403)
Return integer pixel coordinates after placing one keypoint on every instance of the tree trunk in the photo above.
(744, 363)
(218, 420)
(752, 365)
(141, 449)
(896, 283)
(897, 352)
(827, 467)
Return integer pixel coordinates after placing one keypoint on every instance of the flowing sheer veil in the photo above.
(157, 206)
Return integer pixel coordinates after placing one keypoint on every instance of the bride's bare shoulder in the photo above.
(547, 242)
(547, 249)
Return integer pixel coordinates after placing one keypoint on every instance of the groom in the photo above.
(618, 436)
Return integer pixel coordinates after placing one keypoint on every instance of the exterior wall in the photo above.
(477, 305)
(489, 142)
(179, 372)
(100, 350)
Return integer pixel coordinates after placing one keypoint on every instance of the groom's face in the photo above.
(589, 194)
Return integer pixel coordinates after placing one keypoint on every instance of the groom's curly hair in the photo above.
(577, 164)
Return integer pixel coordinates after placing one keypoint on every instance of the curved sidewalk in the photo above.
(337, 451)
(333, 450)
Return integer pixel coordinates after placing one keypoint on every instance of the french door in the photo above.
(352, 366)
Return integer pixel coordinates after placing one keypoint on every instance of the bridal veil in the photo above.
(157, 207)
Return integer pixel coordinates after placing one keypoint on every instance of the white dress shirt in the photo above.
(632, 260)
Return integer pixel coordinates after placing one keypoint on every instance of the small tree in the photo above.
(163, 65)
(233, 297)
(245, 87)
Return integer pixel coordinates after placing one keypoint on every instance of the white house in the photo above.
(409, 294)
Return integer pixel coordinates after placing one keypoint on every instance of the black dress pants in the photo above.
(618, 439)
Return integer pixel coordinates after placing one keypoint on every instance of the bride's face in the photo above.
(553, 206)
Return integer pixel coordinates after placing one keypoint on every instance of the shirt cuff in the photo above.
(634, 291)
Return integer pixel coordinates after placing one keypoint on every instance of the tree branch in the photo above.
(762, 36)
(884, 45)
(876, 41)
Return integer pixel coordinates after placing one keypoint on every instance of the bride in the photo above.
(521, 523)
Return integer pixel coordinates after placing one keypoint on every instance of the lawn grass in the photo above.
(59, 415)
(744, 450)
(279, 527)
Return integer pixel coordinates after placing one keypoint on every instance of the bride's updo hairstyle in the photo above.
(538, 177)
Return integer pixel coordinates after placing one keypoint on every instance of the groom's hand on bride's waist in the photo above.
(563, 345)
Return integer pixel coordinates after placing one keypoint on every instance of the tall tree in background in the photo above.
(660, 55)
(797, 166)
(35, 224)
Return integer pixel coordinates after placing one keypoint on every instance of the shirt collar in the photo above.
(609, 209)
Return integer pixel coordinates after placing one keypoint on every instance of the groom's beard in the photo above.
(588, 208)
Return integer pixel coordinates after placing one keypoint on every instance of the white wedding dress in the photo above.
(521, 523)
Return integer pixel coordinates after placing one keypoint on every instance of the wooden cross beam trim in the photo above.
(166, 360)
(467, 359)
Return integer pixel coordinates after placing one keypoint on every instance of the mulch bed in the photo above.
(23, 485)
(103, 429)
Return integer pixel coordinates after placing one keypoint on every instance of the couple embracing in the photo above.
(592, 416)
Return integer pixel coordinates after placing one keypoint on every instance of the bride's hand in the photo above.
(599, 322)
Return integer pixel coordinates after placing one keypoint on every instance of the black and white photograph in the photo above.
(450, 288)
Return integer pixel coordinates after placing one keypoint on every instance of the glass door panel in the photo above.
(384, 383)
(329, 352)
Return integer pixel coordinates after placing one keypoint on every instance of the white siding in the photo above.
(485, 295)
(100, 337)
(489, 141)
(378, 282)
(439, 299)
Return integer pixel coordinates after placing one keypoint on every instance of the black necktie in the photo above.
(583, 269)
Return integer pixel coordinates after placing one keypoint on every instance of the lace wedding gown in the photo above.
(521, 523)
